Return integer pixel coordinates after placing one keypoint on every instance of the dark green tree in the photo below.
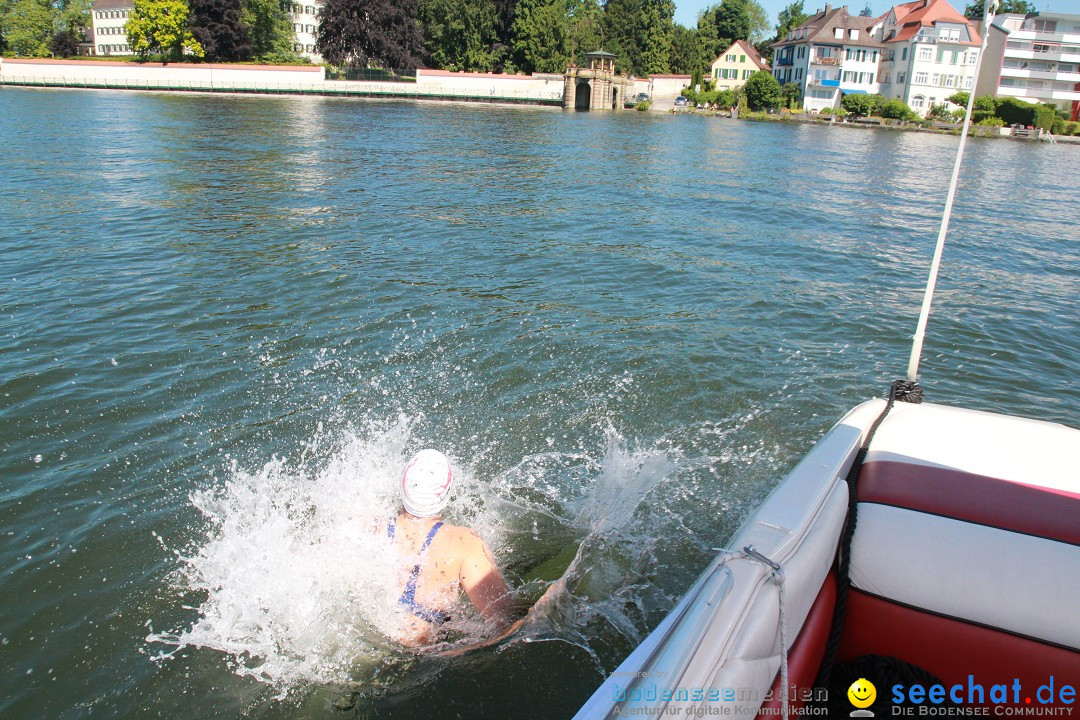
(541, 37)
(762, 91)
(218, 26)
(622, 33)
(687, 51)
(866, 11)
(974, 9)
(461, 34)
(360, 33)
(657, 35)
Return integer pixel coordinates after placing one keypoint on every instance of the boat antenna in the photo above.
(989, 9)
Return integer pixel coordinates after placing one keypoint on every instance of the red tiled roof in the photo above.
(913, 16)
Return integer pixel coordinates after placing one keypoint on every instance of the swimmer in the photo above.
(440, 560)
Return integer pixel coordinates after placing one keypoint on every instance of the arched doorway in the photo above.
(582, 96)
(614, 98)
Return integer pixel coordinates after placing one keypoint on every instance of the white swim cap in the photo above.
(425, 484)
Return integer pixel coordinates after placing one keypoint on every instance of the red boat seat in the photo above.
(975, 579)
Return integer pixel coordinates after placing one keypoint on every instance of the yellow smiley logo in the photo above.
(862, 693)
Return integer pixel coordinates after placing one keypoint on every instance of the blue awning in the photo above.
(853, 92)
(830, 83)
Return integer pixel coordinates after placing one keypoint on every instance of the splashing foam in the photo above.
(301, 587)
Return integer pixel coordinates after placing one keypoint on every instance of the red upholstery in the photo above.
(952, 649)
(1052, 514)
(807, 651)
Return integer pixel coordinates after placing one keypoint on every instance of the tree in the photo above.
(621, 32)
(218, 26)
(28, 27)
(792, 96)
(161, 27)
(363, 32)
(541, 36)
(586, 24)
(974, 10)
(270, 30)
(790, 18)
(65, 43)
(461, 34)
(762, 91)
(866, 11)
(657, 34)
(687, 51)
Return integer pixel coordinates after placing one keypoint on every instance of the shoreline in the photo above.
(804, 119)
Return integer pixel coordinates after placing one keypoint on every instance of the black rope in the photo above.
(883, 672)
(904, 391)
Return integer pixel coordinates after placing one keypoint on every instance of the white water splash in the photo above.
(298, 586)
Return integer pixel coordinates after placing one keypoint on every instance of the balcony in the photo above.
(835, 60)
(785, 61)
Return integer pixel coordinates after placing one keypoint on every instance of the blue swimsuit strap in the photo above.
(408, 597)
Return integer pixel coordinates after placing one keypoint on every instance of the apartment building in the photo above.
(736, 64)
(930, 53)
(1035, 58)
(831, 54)
(108, 18)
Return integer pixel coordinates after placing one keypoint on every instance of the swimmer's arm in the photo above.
(483, 583)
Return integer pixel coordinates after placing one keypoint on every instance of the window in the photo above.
(950, 81)
(838, 33)
(972, 56)
(917, 102)
(742, 58)
(853, 33)
(730, 58)
(309, 9)
(798, 74)
(850, 54)
(926, 53)
(934, 79)
(920, 78)
(903, 55)
(967, 83)
(900, 77)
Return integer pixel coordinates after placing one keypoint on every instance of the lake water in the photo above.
(226, 321)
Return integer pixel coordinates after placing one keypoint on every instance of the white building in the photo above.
(831, 54)
(930, 53)
(305, 21)
(1034, 58)
(109, 18)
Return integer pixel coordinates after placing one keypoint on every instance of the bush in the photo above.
(939, 112)
(762, 91)
(1016, 112)
(1072, 128)
(1058, 127)
(643, 105)
(859, 105)
(727, 98)
(897, 110)
(985, 103)
(991, 122)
